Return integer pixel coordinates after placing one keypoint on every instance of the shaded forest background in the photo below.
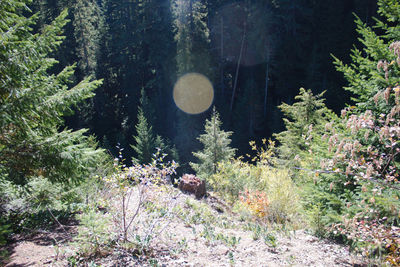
(256, 54)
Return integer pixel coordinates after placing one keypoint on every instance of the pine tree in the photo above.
(145, 145)
(88, 23)
(216, 147)
(308, 114)
(141, 58)
(373, 67)
(33, 103)
(192, 36)
(146, 142)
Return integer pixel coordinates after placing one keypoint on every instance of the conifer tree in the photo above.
(144, 146)
(33, 103)
(373, 67)
(146, 142)
(88, 23)
(363, 149)
(192, 36)
(373, 77)
(308, 114)
(216, 147)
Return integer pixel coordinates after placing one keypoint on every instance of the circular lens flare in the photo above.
(193, 93)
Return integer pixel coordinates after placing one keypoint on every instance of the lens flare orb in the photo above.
(193, 93)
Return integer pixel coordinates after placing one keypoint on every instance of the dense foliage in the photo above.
(33, 103)
(41, 162)
(350, 165)
(368, 151)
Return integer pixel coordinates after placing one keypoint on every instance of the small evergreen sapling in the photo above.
(144, 139)
(216, 147)
(308, 114)
(146, 142)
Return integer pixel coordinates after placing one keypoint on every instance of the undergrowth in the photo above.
(259, 186)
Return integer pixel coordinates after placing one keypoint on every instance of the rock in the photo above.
(191, 184)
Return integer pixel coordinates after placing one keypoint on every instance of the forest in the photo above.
(287, 110)
(248, 50)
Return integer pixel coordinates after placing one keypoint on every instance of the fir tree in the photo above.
(146, 143)
(362, 151)
(373, 67)
(33, 103)
(216, 147)
(308, 114)
(88, 22)
(192, 36)
(144, 140)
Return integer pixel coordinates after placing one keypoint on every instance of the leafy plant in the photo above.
(260, 231)
(256, 201)
(231, 257)
(5, 231)
(200, 213)
(210, 235)
(270, 240)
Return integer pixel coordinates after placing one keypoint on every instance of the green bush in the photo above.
(230, 179)
(236, 176)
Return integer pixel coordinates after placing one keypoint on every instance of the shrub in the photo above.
(230, 179)
(256, 201)
(125, 191)
(281, 193)
(372, 237)
(268, 191)
(5, 230)
(94, 233)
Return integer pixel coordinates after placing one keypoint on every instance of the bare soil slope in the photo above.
(202, 233)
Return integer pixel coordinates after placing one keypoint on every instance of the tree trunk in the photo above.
(238, 66)
(266, 89)
(215, 141)
(222, 57)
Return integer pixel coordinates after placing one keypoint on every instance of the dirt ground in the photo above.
(216, 240)
(41, 247)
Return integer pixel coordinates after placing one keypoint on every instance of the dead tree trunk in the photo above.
(238, 66)
(266, 89)
(222, 57)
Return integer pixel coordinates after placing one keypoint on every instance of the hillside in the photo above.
(192, 233)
